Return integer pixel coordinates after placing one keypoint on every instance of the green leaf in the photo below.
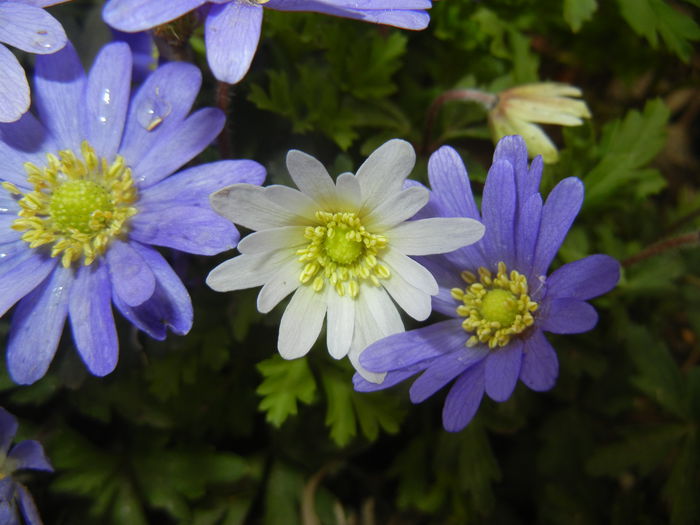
(282, 495)
(681, 489)
(625, 148)
(286, 383)
(654, 18)
(576, 12)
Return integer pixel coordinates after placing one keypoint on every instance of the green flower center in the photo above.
(341, 252)
(76, 203)
(495, 308)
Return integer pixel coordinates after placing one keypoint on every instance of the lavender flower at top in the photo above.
(232, 27)
(27, 454)
(87, 191)
(496, 291)
(26, 26)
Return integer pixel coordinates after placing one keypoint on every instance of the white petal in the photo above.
(311, 177)
(280, 285)
(246, 205)
(272, 239)
(247, 271)
(301, 322)
(340, 324)
(348, 192)
(384, 171)
(435, 235)
(293, 201)
(411, 271)
(397, 208)
(414, 302)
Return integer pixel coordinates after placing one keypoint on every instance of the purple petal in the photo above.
(232, 32)
(450, 184)
(498, 211)
(584, 279)
(568, 316)
(30, 28)
(170, 305)
(132, 279)
(143, 54)
(464, 399)
(107, 98)
(185, 228)
(30, 349)
(526, 233)
(540, 364)
(502, 370)
(392, 378)
(444, 369)
(8, 511)
(25, 140)
(137, 15)
(8, 429)
(14, 89)
(20, 273)
(407, 348)
(7, 234)
(159, 105)
(59, 82)
(92, 321)
(29, 454)
(27, 506)
(193, 186)
(558, 213)
(512, 149)
(178, 145)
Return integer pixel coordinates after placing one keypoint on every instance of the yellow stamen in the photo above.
(78, 205)
(495, 308)
(341, 252)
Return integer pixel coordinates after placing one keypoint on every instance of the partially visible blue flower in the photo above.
(26, 26)
(497, 291)
(232, 27)
(143, 50)
(88, 191)
(27, 454)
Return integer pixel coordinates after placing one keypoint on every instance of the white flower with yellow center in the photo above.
(341, 247)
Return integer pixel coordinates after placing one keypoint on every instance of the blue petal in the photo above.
(8, 429)
(503, 370)
(193, 186)
(540, 364)
(584, 279)
(232, 32)
(526, 234)
(132, 279)
(185, 228)
(92, 321)
(444, 369)
(30, 28)
(450, 184)
(392, 378)
(37, 326)
(59, 82)
(28, 507)
(568, 316)
(407, 348)
(107, 98)
(25, 140)
(20, 273)
(512, 149)
(14, 89)
(170, 305)
(7, 234)
(464, 399)
(29, 454)
(137, 15)
(558, 213)
(498, 211)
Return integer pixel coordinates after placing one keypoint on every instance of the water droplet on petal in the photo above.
(105, 101)
(153, 110)
(44, 40)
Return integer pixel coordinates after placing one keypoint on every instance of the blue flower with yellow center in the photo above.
(87, 192)
(496, 291)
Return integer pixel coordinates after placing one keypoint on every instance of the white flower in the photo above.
(341, 247)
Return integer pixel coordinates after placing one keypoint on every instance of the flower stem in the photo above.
(474, 95)
(661, 247)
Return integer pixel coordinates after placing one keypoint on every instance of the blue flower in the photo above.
(232, 27)
(89, 191)
(26, 26)
(27, 454)
(497, 291)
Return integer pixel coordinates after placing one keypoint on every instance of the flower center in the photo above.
(342, 252)
(495, 308)
(77, 205)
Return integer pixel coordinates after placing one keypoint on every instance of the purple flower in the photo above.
(89, 191)
(232, 27)
(26, 26)
(497, 291)
(27, 454)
